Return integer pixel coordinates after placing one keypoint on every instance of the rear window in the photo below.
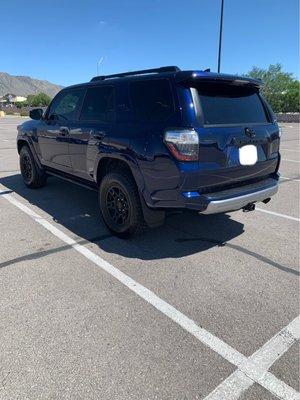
(99, 104)
(231, 105)
(152, 100)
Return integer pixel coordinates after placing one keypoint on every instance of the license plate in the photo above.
(248, 154)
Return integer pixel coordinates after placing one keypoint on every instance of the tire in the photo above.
(120, 204)
(33, 176)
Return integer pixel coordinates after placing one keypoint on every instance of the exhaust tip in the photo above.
(249, 207)
(267, 200)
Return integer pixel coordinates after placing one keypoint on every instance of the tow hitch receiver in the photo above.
(249, 207)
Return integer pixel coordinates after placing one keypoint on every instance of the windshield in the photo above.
(228, 104)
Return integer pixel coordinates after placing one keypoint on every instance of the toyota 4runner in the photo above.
(154, 140)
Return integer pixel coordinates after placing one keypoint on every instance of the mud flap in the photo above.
(153, 218)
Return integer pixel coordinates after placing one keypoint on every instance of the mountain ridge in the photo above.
(22, 85)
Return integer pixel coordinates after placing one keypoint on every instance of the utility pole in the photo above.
(220, 37)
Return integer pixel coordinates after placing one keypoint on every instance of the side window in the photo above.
(152, 100)
(66, 105)
(99, 104)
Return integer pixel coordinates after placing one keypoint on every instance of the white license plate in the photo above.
(248, 154)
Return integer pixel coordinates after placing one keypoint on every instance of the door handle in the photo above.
(99, 135)
(64, 131)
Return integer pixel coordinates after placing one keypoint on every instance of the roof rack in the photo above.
(141, 72)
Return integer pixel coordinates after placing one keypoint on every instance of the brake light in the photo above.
(183, 144)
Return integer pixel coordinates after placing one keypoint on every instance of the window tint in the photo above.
(66, 105)
(152, 100)
(232, 106)
(99, 104)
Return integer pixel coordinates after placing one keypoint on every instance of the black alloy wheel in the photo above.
(120, 204)
(33, 176)
(26, 167)
(117, 205)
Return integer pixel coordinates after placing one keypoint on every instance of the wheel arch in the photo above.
(108, 163)
(21, 142)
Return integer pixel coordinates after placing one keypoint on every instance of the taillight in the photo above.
(183, 144)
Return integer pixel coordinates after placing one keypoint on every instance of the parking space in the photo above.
(201, 308)
(67, 328)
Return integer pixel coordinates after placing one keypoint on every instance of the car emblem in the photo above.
(250, 132)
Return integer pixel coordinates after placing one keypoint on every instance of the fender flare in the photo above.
(28, 140)
(131, 163)
(153, 218)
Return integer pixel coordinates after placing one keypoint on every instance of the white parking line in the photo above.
(289, 179)
(289, 150)
(250, 369)
(277, 214)
(232, 387)
(286, 159)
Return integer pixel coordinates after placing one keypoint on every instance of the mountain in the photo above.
(24, 85)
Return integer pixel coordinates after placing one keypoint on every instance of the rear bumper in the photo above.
(221, 200)
(236, 202)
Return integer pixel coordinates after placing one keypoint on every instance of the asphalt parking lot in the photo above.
(204, 307)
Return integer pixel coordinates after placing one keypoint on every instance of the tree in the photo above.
(39, 100)
(20, 104)
(30, 98)
(280, 88)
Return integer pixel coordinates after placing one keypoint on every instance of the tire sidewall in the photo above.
(25, 152)
(114, 179)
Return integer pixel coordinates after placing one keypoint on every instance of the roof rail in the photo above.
(141, 72)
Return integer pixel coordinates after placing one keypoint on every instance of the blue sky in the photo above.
(62, 40)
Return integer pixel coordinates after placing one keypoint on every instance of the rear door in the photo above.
(93, 131)
(238, 139)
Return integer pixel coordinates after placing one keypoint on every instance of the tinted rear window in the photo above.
(152, 100)
(227, 105)
(99, 104)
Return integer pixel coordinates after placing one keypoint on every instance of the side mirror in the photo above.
(36, 113)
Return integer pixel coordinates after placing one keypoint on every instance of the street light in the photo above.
(99, 63)
(220, 37)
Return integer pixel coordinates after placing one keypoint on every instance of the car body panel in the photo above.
(53, 145)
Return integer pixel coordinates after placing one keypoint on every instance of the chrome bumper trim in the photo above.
(236, 203)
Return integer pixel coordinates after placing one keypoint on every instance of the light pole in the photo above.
(98, 63)
(220, 36)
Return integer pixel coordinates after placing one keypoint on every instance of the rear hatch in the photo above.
(238, 138)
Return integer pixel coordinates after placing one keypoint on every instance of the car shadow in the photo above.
(76, 208)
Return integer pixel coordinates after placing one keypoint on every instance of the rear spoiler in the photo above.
(190, 77)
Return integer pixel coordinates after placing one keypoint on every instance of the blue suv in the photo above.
(156, 140)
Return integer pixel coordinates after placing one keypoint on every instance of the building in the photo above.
(18, 99)
(10, 99)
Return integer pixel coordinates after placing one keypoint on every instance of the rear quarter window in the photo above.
(152, 100)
